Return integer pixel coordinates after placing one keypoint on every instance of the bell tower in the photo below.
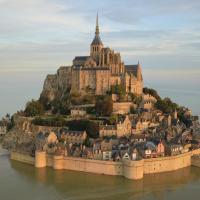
(96, 45)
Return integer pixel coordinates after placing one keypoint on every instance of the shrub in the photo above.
(166, 105)
(152, 92)
(104, 106)
(33, 108)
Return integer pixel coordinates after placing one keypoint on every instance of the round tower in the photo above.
(40, 159)
(58, 162)
(133, 169)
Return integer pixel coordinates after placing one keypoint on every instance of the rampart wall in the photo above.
(130, 169)
(122, 107)
(22, 157)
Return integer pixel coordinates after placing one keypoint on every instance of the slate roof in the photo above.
(79, 61)
(107, 127)
(73, 133)
(97, 40)
(81, 58)
(131, 69)
(150, 145)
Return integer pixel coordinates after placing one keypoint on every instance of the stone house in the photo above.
(107, 155)
(78, 112)
(134, 154)
(149, 150)
(45, 139)
(74, 137)
(51, 138)
(122, 107)
(148, 101)
(107, 130)
(173, 149)
(139, 126)
(106, 145)
(120, 129)
(126, 156)
(138, 138)
(160, 147)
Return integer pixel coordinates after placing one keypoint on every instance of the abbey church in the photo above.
(104, 68)
(96, 73)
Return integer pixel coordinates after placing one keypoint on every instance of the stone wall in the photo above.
(25, 124)
(22, 157)
(130, 169)
(165, 164)
(133, 169)
(122, 107)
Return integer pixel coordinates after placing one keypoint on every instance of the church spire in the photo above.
(97, 25)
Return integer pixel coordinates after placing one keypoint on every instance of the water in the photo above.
(24, 182)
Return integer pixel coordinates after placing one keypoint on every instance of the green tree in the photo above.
(60, 107)
(166, 105)
(133, 110)
(152, 92)
(33, 108)
(104, 106)
(87, 142)
(91, 127)
(113, 119)
(119, 90)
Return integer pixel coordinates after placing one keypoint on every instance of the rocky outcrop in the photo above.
(22, 136)
(57, 85)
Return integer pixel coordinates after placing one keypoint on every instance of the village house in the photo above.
(126, 156)
(148, 150)
(148, 101)
(134, 154)
(160, 148)
(106, 145)
(107, 155)
(139, 126)
(44, 140)
(78, 112)
(51, 138)
(138, 138)
(121, 128)
(173, 149)
(74, 137)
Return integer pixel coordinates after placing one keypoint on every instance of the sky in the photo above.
(38, 36)
(44, 34)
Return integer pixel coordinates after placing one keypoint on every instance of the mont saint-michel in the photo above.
(96, 116)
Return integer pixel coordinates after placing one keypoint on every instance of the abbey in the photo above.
(96, 73)
(104, 68)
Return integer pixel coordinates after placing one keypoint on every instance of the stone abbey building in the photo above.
(97, 72)
(104, 68)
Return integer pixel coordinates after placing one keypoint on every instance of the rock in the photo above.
(57, 85)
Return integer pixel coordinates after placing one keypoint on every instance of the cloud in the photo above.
(47, 33)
